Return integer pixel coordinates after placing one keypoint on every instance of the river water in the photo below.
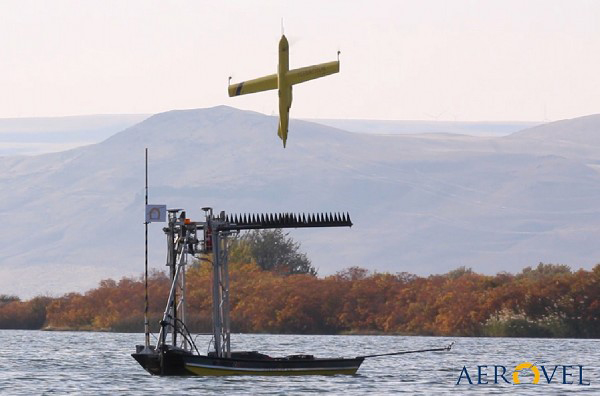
(50, 363)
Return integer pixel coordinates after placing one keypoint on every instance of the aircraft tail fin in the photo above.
(282, 136)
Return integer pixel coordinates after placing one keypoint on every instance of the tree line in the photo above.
(545, 301)
(274, 289)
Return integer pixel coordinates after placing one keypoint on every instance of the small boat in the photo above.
(178, 361)
(176, 353)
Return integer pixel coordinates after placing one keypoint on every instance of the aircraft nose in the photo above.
(283, 43)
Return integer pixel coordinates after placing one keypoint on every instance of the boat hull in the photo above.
(208, 366)
(177, 362)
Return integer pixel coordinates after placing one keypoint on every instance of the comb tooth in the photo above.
(254, 219)
(329, 217)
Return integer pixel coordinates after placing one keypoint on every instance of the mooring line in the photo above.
(405, 352)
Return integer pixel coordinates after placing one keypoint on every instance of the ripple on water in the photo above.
(36, 362)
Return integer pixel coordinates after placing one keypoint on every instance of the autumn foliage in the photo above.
(547, 301)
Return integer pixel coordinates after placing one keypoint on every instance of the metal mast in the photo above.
(216, 241)
(146, 324)
(181, 239)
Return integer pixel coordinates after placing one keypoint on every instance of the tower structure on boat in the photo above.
(176, 352)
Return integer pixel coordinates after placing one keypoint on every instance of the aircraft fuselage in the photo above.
(284, 88)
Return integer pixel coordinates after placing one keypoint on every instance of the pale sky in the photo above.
(401, 60)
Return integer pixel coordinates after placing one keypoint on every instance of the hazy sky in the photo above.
(446, 60)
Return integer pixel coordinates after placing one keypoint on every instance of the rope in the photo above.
(405, 352)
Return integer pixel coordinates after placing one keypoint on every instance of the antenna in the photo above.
(146, 324)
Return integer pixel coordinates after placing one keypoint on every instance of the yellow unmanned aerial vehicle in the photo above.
(283, 81)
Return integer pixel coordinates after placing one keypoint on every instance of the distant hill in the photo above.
(393, 127)
(30, 136)
(423, 203)
(582, 130)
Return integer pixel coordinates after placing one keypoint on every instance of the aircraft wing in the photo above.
(307, 73)
(258, 84)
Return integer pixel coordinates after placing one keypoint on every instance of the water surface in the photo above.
(55, 363)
